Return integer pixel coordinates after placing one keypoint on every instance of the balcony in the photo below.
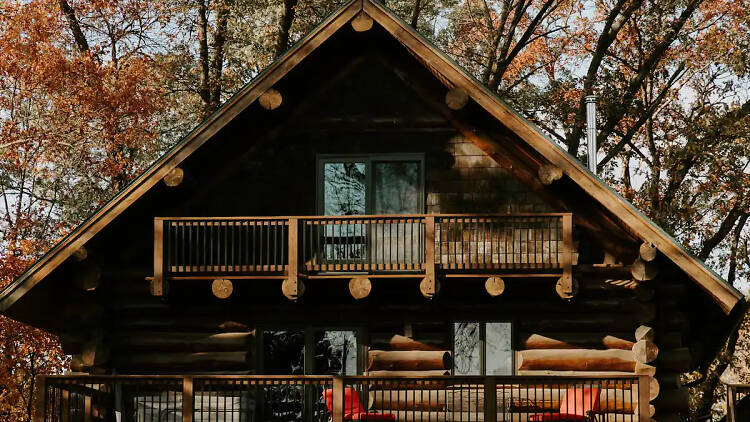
(338, 399)
(423, 245)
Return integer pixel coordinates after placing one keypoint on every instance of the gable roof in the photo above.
(452, 75)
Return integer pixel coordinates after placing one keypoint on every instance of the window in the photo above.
(377, 184)
(482, 348)
(310, 351)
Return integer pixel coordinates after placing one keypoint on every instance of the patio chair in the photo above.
(577, 405)
(353, 410)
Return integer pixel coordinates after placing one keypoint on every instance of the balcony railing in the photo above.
(339, 399)
(736, 393)
(386, 244)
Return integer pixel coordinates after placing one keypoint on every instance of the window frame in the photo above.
(483, 343)
(368, 160)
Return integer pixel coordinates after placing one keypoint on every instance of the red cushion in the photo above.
(373, 417)
(561, 417)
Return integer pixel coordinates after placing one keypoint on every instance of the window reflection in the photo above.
(344, 188)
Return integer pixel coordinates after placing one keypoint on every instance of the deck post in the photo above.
(157, 284)
(293, 245)
(40, 399)
(644, 396)
(429, 255)
(730, 403)
(338, 399)
(187, 399)
(567, 255)
(490, 399)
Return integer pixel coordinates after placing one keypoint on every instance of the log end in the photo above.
(271, 99)
(549, 173)
(360, 287)
(362, 22)
(293, 289)
(564, 291)
(648, 252)
(645, 351)
(174, 177)
(429, 286)
(495, 286)
(456, 99)
(222, 288)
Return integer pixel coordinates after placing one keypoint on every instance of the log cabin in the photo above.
(364, 231)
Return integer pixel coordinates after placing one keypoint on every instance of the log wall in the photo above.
(264, 164)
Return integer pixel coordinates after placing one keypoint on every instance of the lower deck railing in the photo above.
(736, 393)
(339, 399)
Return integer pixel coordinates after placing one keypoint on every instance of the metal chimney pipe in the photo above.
(591, 101)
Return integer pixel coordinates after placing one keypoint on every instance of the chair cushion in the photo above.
(557, 417)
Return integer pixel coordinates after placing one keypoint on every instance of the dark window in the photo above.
(377, 184)
(310, 351)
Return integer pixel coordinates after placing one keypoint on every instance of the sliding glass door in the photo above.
(379, 184)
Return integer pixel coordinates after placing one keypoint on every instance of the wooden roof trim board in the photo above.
(448, 72)
(186, 146)
(724, 294)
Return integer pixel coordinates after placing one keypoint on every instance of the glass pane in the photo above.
(466, 348)
(499, 357)
(396, 187)
(336, 353)
(284, 352)
(344, 189)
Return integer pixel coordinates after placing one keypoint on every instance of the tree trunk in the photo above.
(75, 27)
(290, 10)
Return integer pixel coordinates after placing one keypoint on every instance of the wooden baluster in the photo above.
(158, 282)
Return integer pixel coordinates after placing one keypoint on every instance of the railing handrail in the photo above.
(499, 378)
(188, 385)
(365, 216)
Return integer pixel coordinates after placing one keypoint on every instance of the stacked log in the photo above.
(409, 360)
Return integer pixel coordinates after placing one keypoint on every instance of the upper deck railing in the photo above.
(312, 398)
(386, 244)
